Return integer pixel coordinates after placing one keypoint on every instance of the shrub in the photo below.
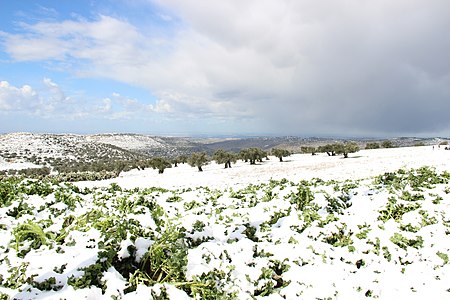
(372, 145)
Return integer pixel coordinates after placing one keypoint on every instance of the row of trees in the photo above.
(333, 149)
(251, 155)
(200, 159)
(197, 159)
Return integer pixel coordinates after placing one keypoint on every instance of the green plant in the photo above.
(166, 259)
(341, 238)
(403, 242)
(395, 211)
(302, 197)
(9, 190)
(339, 204)
(30, 231)
(17, 276)
(23, 208)
(443, 256)
(92, 275)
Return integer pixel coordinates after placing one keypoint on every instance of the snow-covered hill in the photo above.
(313, 227)
(362, 164)
(30, 146)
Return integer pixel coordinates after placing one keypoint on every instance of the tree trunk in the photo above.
(345, 155)
(160, 171)
(200, 169)
(281, 158)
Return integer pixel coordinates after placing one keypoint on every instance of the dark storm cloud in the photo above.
(336, 67)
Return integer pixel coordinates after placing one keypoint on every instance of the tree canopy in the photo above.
(198, 159)
(339, 148)
(309, 149)
(252, 155)
(223, 157)
(346, 148)
(160, 163)
(329, 149)
(280, 153)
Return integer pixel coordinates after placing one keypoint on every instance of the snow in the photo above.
(375, 267)
(127, 141)
(363, 164)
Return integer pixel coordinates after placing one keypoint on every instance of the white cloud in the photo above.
(329, 66)
(17, 99)
(51, 102)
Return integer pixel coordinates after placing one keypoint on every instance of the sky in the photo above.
(226, 67)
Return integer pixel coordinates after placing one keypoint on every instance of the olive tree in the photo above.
(223, 157)
(252, 155)
(372, 145)
(280, 153)
(198, 159)
(309, 149)
(330, 149)
(346, 148)
(387, 144)
(160, 164)
(181, 159)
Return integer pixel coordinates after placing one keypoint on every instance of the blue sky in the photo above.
(190, 67)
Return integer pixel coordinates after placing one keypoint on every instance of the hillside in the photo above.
(25, 150)
(31, 150)
(374, 225)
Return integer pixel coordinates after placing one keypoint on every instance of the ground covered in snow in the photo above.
(375, 225)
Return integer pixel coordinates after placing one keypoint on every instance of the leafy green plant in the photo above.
(339, 204)
(166, 259)
(65, 196)
(30, 231)
(302, 198)
(47, 285)
(36, 187)
(396, 211)
(403, 242)
(17, 276)
(443, 256)
(23, 208)
(341, 238)
(9, 190)
(92, 276)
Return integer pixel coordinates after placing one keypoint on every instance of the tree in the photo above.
(346, 148)
(387, 144)
(198, 159)
(280, 153)
(160, 163)
(372, 145)
(223, 157)
(330, 149)
(309, 149)
(252, 155)
(181, 159)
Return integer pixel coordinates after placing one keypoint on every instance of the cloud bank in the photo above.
(50, 102)
(328, 67)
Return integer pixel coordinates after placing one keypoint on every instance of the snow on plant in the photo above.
(384, 237)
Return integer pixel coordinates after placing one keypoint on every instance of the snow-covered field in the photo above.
(312, 227)
(363, 164)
